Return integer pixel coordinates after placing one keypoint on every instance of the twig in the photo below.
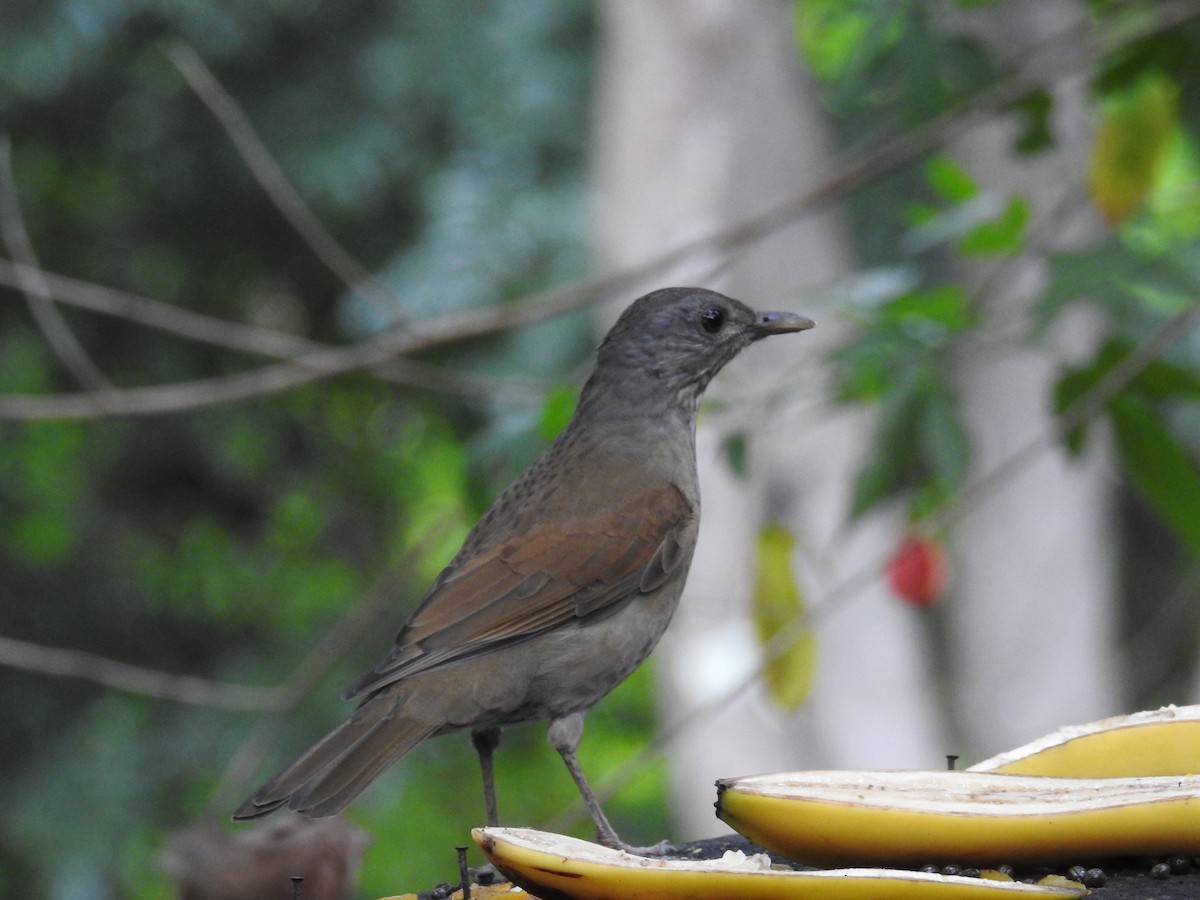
(855, 170)
(41, 302)
(253, 339)
(301, 370)
(136, 679)
(270, 176)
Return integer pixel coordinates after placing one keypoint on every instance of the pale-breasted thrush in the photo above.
(567, 582)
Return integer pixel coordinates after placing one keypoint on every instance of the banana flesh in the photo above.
(552, 865)
(976, 818)
(1156, 742)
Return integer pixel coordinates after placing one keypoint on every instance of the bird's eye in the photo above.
(712, 319)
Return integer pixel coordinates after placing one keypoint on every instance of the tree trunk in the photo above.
(1032, 618)
(704, 117)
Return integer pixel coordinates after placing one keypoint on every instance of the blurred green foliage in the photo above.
(444, 146)
(1143, 177)
(884, 67)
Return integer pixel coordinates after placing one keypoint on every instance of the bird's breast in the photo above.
(568, 669)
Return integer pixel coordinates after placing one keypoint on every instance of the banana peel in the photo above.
(1156, 742)
(556, 866)
(976, 818)
(1120, 786)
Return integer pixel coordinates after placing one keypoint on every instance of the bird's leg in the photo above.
(485, 741)
(564, 735)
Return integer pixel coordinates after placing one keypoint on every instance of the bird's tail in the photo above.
(339, 767)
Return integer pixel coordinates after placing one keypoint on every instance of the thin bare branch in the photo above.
(253, 339)
(270, 176)
(41, 303)
(302, 370)
(853, 170)
(136, 679)
(276, 702)
(158, 315)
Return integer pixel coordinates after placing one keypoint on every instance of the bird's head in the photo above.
(682, 337)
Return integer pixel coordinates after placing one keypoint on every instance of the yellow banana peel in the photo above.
(1156, 742)
(975, 818)
(553, 865)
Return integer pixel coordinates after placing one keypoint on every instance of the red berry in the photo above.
(917, 571)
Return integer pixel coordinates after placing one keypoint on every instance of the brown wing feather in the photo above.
(537, 580)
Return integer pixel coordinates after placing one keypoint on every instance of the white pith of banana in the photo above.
(555, 866)
(975, 818)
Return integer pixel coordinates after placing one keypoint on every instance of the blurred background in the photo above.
(290, 290)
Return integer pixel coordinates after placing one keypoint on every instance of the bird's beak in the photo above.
(781, 323)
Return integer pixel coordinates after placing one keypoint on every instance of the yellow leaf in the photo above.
(1133, 131)
(778, 603)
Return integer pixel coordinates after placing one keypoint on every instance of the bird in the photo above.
(568, 580)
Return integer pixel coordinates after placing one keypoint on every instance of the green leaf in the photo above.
(778, 603)
(918, 215)
(1070, 387)
(1116, 277)
(1033, 111)
(1158, 468)
(839, 37)
(1175, 196)
(945, 451)
(297, 519)
(43, 537)
(1001, 235)
(734, 447)
(557, 410)
(1134, 128)
(1171, 222)
(1159, 380)
(895, 464)
(950, 180)
(864, 369)
(945, 306)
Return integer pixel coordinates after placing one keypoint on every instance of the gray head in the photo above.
(671, 342)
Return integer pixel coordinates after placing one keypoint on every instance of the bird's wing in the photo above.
(539, 579)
